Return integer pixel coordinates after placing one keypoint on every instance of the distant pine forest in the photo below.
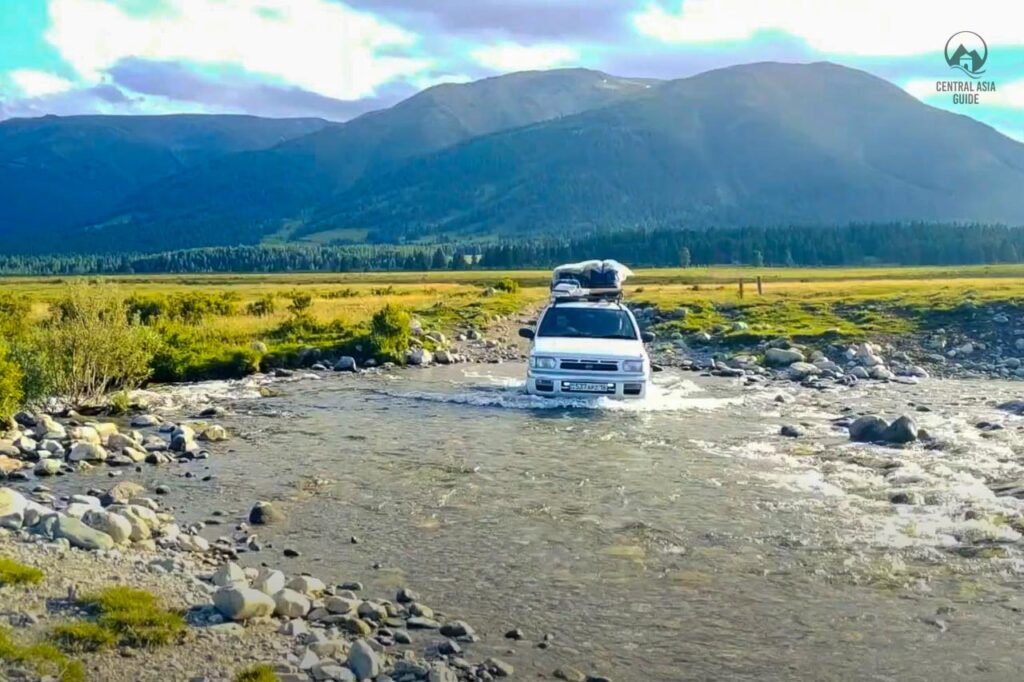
(879, 244)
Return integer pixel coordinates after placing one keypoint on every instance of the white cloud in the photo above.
(318, 45)
(514, 57)
(34, 83)
(864, 27)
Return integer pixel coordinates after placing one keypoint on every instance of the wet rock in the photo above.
(345, 363)
(569, 675)
(419, 356)
(1015, 406)
(406, 596)
(121, 492)
(145, 420)
(903, 430)
(443, 357)
(264, 513)
(859, 373)
(114, 525)
(457, 628)
(47, 467)
(214, 433)
(798, 371)
(868, 429)
(87, 452)
(790, 431)
(782, 357)
(422, 623)
(242, 603)
(881, 373)
(515, 634)
(499, 668)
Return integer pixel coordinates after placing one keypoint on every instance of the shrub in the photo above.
(301, 303)
(82, 636)
(390, 330)
(89, 345)
(13, 573)
(507, 285)
(261, 307)
(135, 617)
(119, 403)
(45, 659)
(12, 380)
(190, 308)
(257, 673)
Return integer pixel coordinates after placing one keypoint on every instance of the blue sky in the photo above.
(338, 59)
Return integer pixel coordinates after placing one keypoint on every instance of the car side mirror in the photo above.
(648, 337)
(526, 333)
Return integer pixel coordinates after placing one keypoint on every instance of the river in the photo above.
(680, 538)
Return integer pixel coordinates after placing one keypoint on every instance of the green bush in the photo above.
(507, 285)
(261, 307)
(390, 330)
(257, 673)
(13, 573)
(11, 383)
(189, 307)
(45, 659)
(135, 617)
(91, 346)
(82, 636)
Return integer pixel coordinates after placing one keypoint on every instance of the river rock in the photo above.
(419, 356)
(80, 535)
(121, 492)
(269, 582)
(85, 434)
(242, 603)
(8, 465)
(264, 513)
(363, 660)
(144, 420)
(87, 452)
(12, 508)
(790, 431)
(290, 604)
(859, 373)
(798, 371)
(307, 585)
(26, 418)
(868, 429)
(8, 449)
(345, 363)
(499, 668)
(114, 525)
(443, 357)
(1015, 406)
(26, 445)
(214, 433)
(230, 575)
(903, 430)
(47, 467)
(881, 372)
(782, 357)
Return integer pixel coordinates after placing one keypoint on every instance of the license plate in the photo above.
(583, 387)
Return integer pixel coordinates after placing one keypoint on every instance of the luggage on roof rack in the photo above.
(589, 280)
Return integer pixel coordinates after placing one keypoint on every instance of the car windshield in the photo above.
(587, 323)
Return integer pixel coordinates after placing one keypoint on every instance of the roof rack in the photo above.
(593, 280)
(567, 291)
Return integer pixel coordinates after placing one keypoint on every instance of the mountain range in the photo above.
(560, 151)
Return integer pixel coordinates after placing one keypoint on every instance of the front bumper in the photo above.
(556, 383)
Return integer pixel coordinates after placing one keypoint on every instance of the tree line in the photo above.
(848, 245)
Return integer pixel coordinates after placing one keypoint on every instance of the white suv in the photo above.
(588, 348)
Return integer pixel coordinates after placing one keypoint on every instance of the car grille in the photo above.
(590, 365)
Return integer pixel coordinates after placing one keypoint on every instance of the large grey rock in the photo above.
(119, 441)
(143, 420)
(87, 452)
(419, 356)
(307, 585)
(214, 434)
(47, 467)
(114, 525)
(121, 492)
(346, 363)
(264, 513)
(269, 582)
(242, 603)
(363, 660)
(868, 429)
(782, 357)
(230, 574)
(80, 535)
(291, 604)
(801, 370)
(903, 430)
(12, 508)
(1015, 406)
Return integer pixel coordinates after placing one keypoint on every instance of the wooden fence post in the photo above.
(759, 291)
(741, 287)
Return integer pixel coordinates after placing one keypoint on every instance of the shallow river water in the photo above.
(676, 539)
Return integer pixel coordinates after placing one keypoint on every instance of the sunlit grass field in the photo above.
(795, 301)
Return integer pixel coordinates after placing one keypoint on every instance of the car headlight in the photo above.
(633, 366)
(543, 363)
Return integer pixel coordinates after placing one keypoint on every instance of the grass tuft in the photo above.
(135, 617)
(257, 673)
(13, 573)
(45, 659)
(83, 636)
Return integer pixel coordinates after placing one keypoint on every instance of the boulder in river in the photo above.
(121, 492)
(868, 429)
(47, 467)
(264, 513)
(214, 433)
(87, 452)
(419, 356)
(116, 526)
(12, 508)
(903, 430)
(290, 604)
(363, 660)
(790, 431)
(345, 363)
(782, 357)
(1015, 406)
